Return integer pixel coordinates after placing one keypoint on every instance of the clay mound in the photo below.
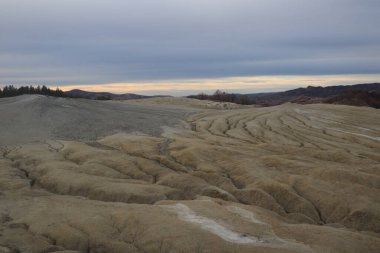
(34, 118)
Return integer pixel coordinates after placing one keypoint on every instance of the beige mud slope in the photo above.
(34, 118)
(289, 178)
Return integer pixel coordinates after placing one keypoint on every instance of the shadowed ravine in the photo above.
(289, 178)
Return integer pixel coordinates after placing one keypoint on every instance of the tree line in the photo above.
(225, 97)
(11, 91)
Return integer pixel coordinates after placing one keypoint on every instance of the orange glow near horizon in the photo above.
(250, 84)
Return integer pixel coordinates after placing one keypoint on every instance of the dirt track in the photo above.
(290, 178)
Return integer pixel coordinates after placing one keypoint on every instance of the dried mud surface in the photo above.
(32, 118)
(289, 178)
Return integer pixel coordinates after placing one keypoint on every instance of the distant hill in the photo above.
(356, 98)
(309, 94)
(102, 95)
(358, 95)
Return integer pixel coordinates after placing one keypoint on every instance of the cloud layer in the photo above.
(117, 41)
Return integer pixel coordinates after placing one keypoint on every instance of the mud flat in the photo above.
(289, 178)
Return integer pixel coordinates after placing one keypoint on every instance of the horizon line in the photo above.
(239, 84)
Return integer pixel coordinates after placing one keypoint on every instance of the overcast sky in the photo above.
(88, 42)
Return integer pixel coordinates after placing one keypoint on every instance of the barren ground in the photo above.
(106, 177)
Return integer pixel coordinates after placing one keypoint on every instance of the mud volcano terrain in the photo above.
(106, 177)
(30, 118)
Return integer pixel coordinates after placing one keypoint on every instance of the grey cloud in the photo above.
(83, 41)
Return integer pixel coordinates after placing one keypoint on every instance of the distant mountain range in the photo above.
(76, 93)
